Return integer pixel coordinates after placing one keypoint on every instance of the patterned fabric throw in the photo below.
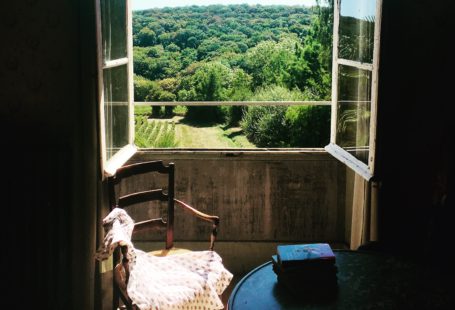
(191, 280)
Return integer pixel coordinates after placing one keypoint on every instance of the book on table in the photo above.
(306, 268)
(312, 255)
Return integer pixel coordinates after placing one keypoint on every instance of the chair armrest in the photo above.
(215, 220)
(209, 218)
(149, 225)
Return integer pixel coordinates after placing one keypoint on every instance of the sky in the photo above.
(358, 9)
(147, 4)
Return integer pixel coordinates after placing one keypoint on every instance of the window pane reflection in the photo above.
(354, 107)
(116, 109)
(113, 27)
(356, 32)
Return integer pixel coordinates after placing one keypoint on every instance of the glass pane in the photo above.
(356, 31)
(113, 27)
(354, 106)
(116, 109)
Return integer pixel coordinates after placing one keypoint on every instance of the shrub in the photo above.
(309, 126)
(234, 114)
(266, 126)
(205, 114)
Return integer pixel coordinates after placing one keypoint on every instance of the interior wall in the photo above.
(415, 129)
(48, 130)
(350, 177)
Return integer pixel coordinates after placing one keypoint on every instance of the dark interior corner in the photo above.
(415, 147)
(51, 169)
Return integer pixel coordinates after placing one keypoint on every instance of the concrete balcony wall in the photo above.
(263, 199)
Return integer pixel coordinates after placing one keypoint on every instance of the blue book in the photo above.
(305, 254)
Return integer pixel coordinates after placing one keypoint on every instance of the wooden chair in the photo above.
(121, 272)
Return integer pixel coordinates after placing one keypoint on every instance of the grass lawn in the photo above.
(189, 135)
(209, 136)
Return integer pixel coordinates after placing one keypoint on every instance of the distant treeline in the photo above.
(240, 53)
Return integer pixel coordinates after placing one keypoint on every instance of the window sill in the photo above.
(119, 159)
(310, 154)
(231, 151)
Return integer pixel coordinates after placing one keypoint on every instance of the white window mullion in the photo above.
(129, 26)
(374, 86)
(116, 63)
(336, 16)
(355, 64)
(101, 119)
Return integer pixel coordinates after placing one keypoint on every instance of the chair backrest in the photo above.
(147, 195)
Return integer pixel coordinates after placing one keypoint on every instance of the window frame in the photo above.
(109, 166)
(366, 171)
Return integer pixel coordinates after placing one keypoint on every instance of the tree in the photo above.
(173, 48)
(240, 90)
(208, 48)
(192, 42)
(187, 57)
(241, 86)
(242, 47)
(308, 74)
(142, 87)
(239, 53)
(268, 62)
(210, 82)
(145, 37)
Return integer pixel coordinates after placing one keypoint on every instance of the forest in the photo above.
(235, 53)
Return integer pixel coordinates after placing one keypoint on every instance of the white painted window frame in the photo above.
(366, 171)
(109, 167)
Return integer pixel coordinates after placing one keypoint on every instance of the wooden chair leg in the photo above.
(121, 285)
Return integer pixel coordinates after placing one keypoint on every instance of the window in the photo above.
(354, 80)
(354, 83)
(115, 82)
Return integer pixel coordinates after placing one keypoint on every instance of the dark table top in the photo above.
(365, 281)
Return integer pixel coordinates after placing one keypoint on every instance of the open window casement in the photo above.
(356, 34)
(115, 67)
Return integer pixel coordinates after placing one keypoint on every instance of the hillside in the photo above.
(235, 53)
(252, 47)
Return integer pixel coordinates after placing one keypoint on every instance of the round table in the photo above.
(365, 281)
